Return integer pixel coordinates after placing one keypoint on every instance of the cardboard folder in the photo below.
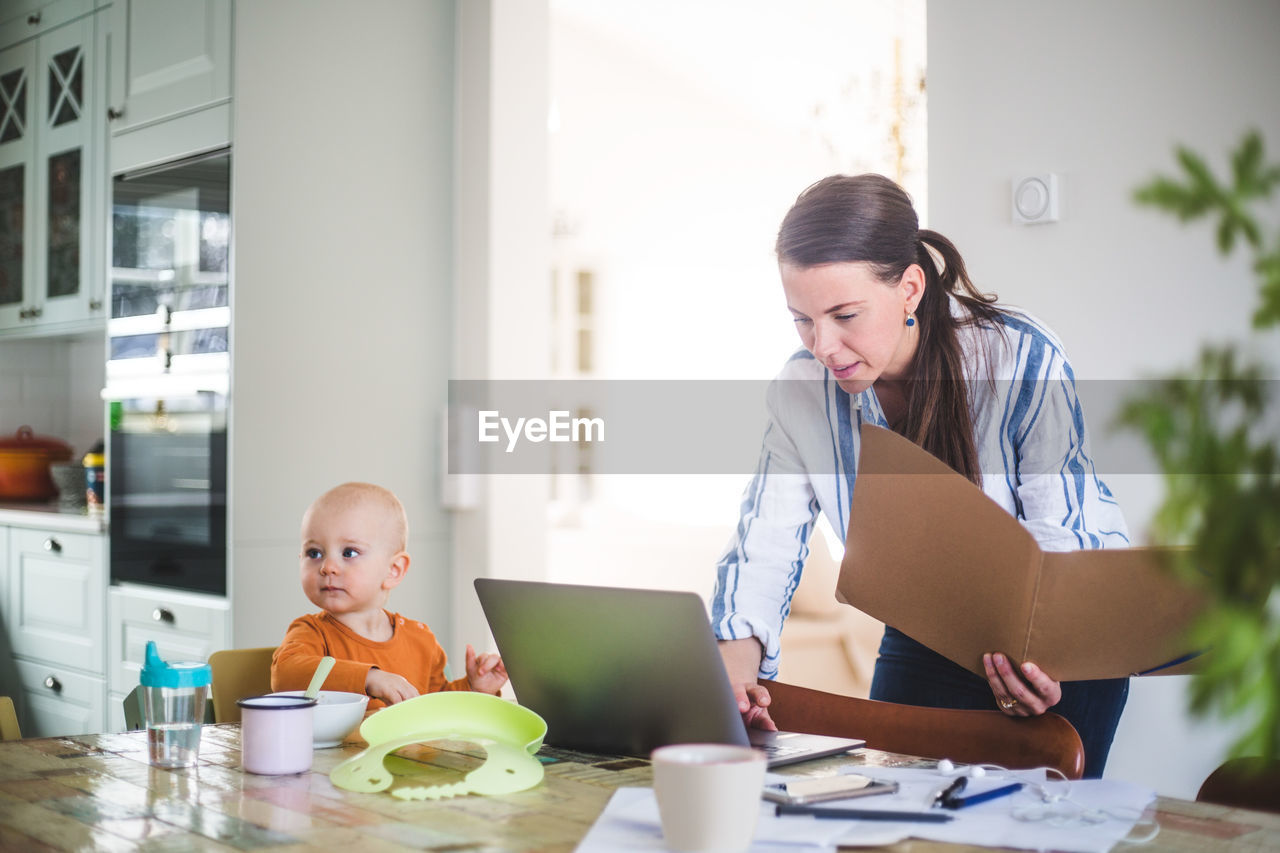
(928, 553)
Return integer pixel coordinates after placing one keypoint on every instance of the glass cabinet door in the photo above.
(65, 179)
(17, 197)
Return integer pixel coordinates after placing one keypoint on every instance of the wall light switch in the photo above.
(1035, 199)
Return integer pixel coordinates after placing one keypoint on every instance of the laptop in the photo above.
(623, 671)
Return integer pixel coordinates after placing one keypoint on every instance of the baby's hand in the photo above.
(388, 686)
(485, 673)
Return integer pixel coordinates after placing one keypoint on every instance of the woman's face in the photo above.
(854, 323)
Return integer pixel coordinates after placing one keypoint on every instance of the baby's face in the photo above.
(347, 553)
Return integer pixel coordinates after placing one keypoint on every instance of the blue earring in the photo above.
(911, 320)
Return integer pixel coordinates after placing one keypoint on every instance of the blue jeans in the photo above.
(911, 674)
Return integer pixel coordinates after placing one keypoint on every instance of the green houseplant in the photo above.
(1213, 432)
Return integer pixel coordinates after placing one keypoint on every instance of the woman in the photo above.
(896, 335)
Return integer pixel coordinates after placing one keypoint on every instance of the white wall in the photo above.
(1100, 92)
(52, 385)
(342, 194)
(500, 308)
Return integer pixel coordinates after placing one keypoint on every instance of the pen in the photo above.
(863, 814)
(961, 802)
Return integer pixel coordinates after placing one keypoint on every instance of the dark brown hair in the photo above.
(869, 218)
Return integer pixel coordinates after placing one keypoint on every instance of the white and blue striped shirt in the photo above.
(1032, 450)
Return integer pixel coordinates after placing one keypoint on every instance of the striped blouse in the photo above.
(1032, 450)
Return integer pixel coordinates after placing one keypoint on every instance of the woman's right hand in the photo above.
(742, 663)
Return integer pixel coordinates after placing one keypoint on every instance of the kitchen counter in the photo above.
(50, 516)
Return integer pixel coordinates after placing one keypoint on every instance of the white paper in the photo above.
(1089, 816)
(630, 822)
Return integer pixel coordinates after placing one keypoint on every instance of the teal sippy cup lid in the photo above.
(158, 673)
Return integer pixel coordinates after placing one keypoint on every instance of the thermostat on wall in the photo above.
(1035, 199)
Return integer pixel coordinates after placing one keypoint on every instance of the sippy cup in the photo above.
(174, 695)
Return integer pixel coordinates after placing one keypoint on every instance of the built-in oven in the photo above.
(168, 372)
(167, 489)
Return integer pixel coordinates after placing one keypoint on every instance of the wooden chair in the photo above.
(969, 737)
(1245, 783)
(238, 673)
(9, 720)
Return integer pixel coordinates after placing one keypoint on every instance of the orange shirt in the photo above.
(412, 652)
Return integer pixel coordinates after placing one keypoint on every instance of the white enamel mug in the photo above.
(275, 734)
(708, 795)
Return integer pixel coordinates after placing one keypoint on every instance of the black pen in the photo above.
(862, 814)
(974, 799)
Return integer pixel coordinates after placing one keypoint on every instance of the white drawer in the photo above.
(184, 627)
(56, 605)
(60, 701)
(77, 547)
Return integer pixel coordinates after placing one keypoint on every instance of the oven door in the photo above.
(167, 490)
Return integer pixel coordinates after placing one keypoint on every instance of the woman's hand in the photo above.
(485, 673)
(1028, 694)
(742, 663)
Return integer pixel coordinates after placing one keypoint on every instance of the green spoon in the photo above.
(322, 672)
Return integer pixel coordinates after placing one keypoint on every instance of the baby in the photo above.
(353, 541)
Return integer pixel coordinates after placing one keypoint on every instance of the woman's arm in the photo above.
(760, 569)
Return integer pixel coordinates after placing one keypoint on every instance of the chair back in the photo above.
(9, 729)
(968, 737)
(1244, 783)
(238, 673)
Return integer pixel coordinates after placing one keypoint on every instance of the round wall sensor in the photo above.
(1035, 199)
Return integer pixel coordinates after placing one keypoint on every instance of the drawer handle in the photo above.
(53, 545)
(53, 684)
(163, 614)
(113, 113)
(33, 18)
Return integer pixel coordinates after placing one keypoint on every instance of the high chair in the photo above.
(238, 673)
(8, 720)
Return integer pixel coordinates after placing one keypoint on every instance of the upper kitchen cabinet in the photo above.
(52, 171)
(170, 90)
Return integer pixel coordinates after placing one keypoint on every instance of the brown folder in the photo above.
(928, 553)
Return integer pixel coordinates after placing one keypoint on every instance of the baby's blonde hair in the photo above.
(349, 494)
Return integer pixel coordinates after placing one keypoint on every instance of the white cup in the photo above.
(275, 734)
(708, 795)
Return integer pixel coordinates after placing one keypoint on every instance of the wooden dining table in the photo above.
(98, 792)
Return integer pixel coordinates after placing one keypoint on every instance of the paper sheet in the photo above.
(1089, 816)
(630, 822)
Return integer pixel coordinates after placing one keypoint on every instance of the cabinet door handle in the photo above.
(113, 113)
(163, 614)
(95, 304)
(35, 312)
(53, 684)
(53, 545)
(33, 19)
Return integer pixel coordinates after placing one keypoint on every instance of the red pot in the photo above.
(24, 465)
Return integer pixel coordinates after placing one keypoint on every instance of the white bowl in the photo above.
(337, 715)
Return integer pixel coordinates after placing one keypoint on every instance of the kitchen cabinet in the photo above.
(184, 626)
(59, 700)
(55, 606)
(53, 178)
(170, 80)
